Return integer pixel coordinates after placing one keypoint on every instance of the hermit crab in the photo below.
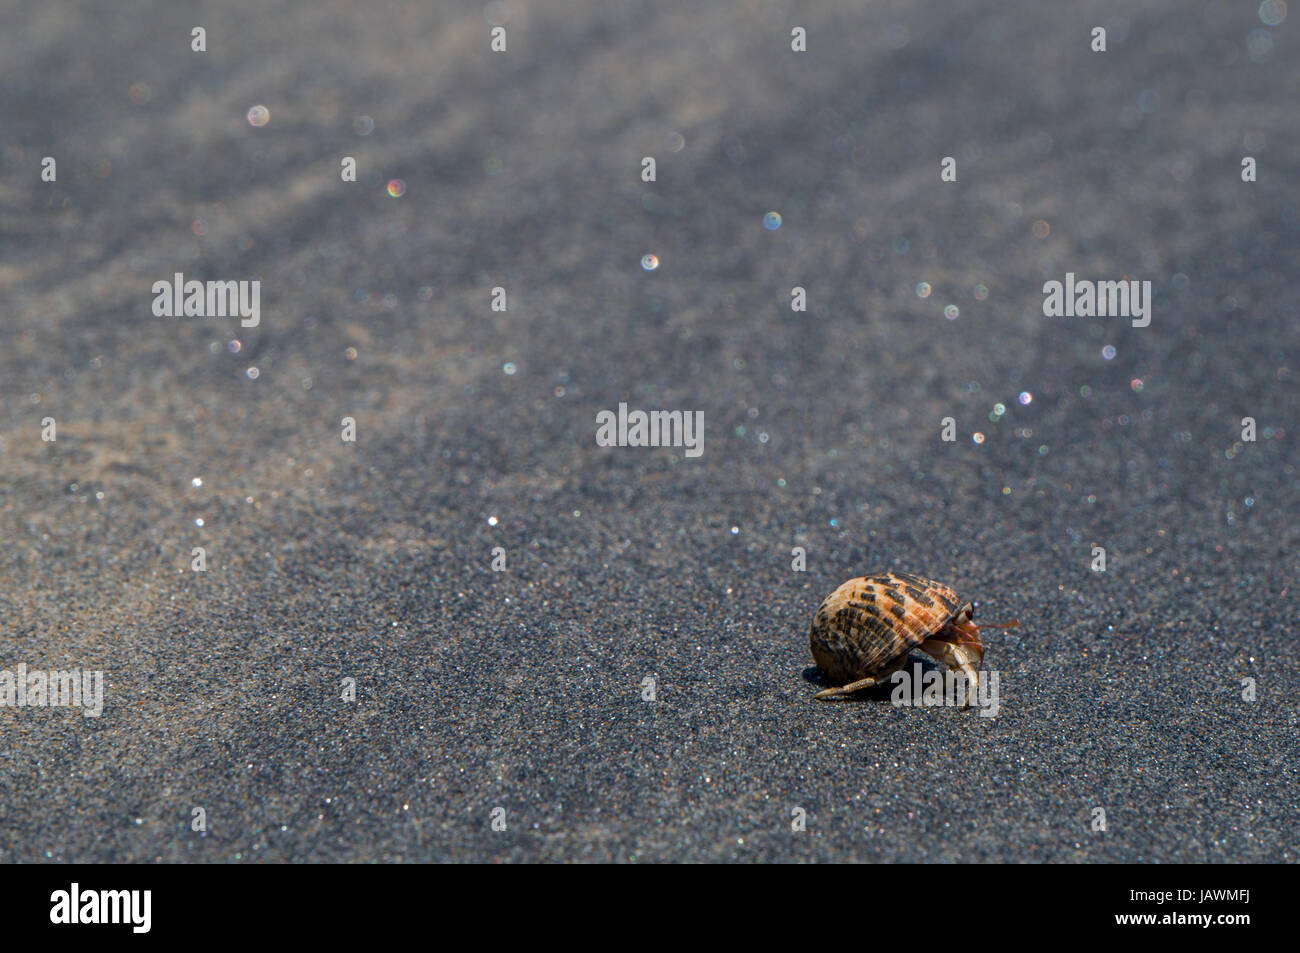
(866, 628)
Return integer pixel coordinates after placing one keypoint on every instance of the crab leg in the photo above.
(848, 689)
(965, 653)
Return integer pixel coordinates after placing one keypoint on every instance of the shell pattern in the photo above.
(871, 623)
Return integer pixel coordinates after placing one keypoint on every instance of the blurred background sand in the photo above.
(476, 428)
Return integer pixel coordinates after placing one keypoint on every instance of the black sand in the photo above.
(522, 689)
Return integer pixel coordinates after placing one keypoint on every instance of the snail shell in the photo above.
(866, 628)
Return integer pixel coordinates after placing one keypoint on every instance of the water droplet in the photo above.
(1259, 45)
(1272, 12)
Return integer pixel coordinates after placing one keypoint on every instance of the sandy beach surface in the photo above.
(1162, 691)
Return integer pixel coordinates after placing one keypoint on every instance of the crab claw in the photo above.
(959, 647)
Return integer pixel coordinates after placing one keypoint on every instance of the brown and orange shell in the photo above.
(869, 624)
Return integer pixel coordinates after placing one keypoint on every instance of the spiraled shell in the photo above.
(867, 625)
